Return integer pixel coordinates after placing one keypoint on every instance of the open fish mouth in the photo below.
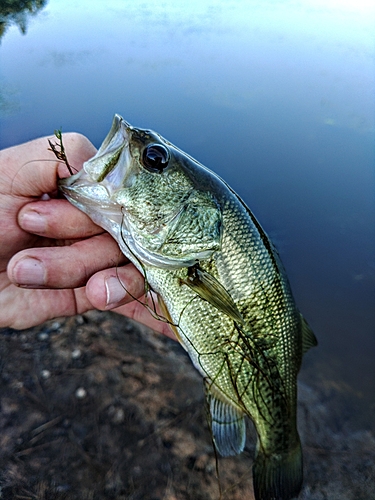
(102, 175)
(82, 192)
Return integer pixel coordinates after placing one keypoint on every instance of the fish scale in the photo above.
(220, 284)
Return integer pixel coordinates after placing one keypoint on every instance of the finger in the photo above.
(117, 288)
(56, 219)
(33, 170)
(110, 288)
(64, 267)
(38, 305)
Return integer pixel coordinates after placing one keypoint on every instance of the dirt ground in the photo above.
(96, 407)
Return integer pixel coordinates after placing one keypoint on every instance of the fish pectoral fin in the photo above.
(227, 426)
(308, 337)
(209, 288)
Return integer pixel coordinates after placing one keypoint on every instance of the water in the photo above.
(277, 97)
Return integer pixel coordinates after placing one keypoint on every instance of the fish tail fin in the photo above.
(278, 477)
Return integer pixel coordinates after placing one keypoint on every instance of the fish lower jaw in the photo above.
(106, 215)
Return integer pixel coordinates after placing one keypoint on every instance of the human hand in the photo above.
(54, 261)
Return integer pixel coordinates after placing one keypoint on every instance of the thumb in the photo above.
(32, 169)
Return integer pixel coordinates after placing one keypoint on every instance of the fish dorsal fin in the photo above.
(308, 337)
(227, 426)
(209, 288)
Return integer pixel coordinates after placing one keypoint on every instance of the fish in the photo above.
(220, 284)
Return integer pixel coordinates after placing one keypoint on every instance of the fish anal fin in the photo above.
(227, 426)
(279, 476)
(308, 338)
(210, 289)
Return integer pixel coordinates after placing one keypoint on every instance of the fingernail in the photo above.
(33, 221)
(29, 271)
(115, 291)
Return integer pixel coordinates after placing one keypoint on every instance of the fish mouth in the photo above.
(85, 193)
(119, 127)
(91, 189)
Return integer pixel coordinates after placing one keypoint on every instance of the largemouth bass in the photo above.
(220, 284)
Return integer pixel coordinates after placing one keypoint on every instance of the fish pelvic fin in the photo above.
(227, 426)
(308, 337)
(279, 476)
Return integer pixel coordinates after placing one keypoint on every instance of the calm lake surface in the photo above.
(276, 97)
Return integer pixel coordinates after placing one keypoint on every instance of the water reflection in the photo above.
(18, 12)
(61, 59)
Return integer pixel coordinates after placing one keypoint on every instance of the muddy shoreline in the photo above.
(97, 407)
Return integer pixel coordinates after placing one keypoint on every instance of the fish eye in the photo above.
(155, 158)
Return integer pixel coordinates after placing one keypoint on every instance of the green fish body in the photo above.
(220, 284)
